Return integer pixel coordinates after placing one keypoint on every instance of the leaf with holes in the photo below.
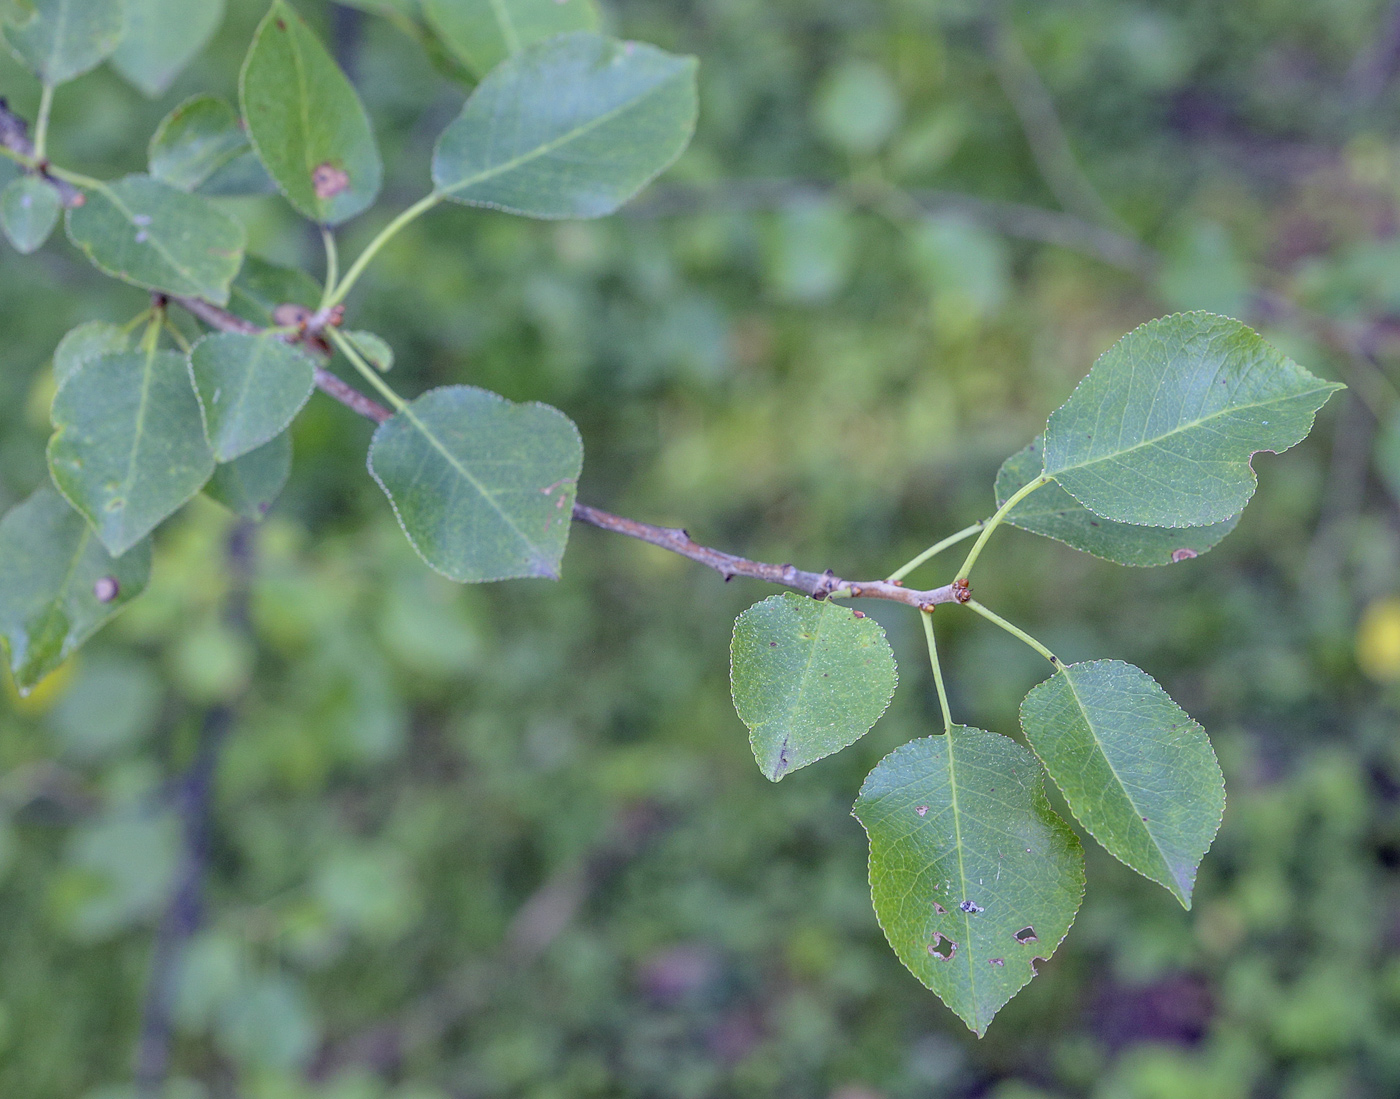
(162, 37)
(155, 236)
(809, 677)
(249, 485)
(1161, 431)
(483, 33)
(483, 488)
(194, 141)
(62, 39)
(1137, 772)
(570, 128)
(128, 446)
(57, 584)
(1054, 513)
(306, 122)
(250, 388)
(29, 209)
(90, 340)
(973, 875)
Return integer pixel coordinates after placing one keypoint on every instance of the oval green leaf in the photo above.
(306, 122)
(483, 33)
(570, 128)
(57, 584)
(809, 677)
(62, 39)
(29, 209)
(249, 485)
(128, 446)
(483, 488)
(1161, 431)
(1137, 772)
(1054, 513)
(155, 236)
(972, 874)
(162, 37)
(194, 141)
(90, 340)
(250, 388)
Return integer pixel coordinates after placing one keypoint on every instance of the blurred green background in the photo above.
(510, 840)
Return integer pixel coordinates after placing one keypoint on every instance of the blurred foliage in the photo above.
(509, 841)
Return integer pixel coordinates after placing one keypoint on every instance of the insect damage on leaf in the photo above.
(328, 180)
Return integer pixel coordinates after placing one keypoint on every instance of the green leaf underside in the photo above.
(88, 341)
(1137, 772)
(483, 33)
(808, 678)
(50, 566)
(249, 485)
(572, 127)
(262, 286)
(1054, 513)
(483, 488)
(306, 123)
(972, 874)
(162, 37)
(128, 447)
(375, 349)
(65, 38)
(1161, 431)
(194, 141)
(250, 388)
(155, 236)
(29, 209)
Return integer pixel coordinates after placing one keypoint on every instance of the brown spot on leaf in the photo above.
(921, 809)
(997, 961)
(1183, 554)
(281, 24)
(328, 180)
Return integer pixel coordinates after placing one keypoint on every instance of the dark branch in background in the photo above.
(14, 135)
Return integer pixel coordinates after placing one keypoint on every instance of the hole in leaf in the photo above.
(997, 961)
(1026, 935)
(937, 947)
(970, 906)
(939, 909)
(921, 809)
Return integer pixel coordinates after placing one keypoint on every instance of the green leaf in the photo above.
(306, 122)
(194, 141)
(374, 349)
(809, 677)
(162, 37)
(65, 38)
(250, 389)
(57, 584)
(483, 33)
(243, 175)
(90, 340)
(249, 485)
(1162, 430)
(483, 488)
(157, 237)
(128, 447)
(973, 875)
(29, 209)
(1137, 772)
(1053, 512)
(262, 286)
(570, 128)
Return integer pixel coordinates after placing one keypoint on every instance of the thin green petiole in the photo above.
(937, 671)
(352, 276)
(1014, 631)
(150, 339)
(332, 265)
(995, 521)
(41, 123)
(368, 372)
(935, 549)
(178, 336)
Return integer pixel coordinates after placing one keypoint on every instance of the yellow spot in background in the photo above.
(44, 693)
(1378, 640)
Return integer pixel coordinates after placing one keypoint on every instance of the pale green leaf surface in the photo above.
(243, 175)
(162, 37)
(261, 286)
(572, 127)
(306, 122)
(374, 349)
(1054, 513)
(1162, 430)
(29, 209)
(65, 38)
(972, 874)
(249, 485)
(155, 236)
(1137, 772)
(194, 141)
(483, 33)
(89, 340)
(128, 446)
(250, 388)
(483, 488)
(808, 678)
(50, 566)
